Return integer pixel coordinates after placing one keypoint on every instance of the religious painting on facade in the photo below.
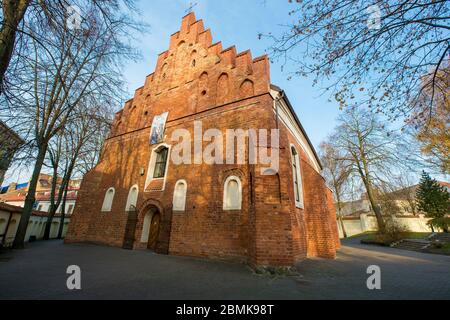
(158, 128)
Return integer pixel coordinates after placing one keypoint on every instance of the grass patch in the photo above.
(417, 235)
(368, 233)
(446, 247)
(386, 240)
(404, 235)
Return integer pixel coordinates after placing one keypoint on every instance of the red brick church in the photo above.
(137, 197)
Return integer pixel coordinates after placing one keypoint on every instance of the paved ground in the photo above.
(38, 272)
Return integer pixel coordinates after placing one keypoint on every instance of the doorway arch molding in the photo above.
(148, 204)
(162, 246)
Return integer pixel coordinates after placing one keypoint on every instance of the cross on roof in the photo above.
(192, 5)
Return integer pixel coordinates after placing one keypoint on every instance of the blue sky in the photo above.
(237, 23)
(234, 22)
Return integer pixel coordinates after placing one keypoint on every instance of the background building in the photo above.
(14, 194)
(9, 144)
(358, 216)
(12, 201)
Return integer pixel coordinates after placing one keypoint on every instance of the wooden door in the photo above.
(154, 231)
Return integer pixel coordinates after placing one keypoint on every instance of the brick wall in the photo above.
(196, 80)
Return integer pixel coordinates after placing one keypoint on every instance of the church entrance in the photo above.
(154, 225)
(153, 233)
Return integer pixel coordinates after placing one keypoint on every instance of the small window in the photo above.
(298, 188)
(132, 198)
(193, 63)
(161, 163)
(179, 196)
(232, 196)
(107, 202)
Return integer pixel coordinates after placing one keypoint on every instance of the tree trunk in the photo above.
(365, 176)
(53, 205)
(342, 226)
(375, 207)
(63, 214)
(341, 221)
(13, 13)
(19, 240)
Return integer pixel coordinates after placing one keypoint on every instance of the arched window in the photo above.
(232, 194)
(132, 198)
(297, 178)
(179, 196)
(161, 163)
(107, 202)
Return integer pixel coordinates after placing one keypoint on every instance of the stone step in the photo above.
(412, 245)
(444, 237)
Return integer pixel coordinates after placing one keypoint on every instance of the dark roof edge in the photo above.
(288, 103)
(12, 132)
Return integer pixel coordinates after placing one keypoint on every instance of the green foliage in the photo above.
(394, 231)
(440, 223)
(432, 198)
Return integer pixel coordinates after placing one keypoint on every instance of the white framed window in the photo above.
(232, 194)
(179, 196)
(158, 166)
(108, 201)
(132, 198)
(297, 178)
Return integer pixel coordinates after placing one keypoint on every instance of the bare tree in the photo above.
(17, 14)
(374, 53)
(55, 155)
(55, 74)
(100, 124)
(13, 12)
(336, 170)
(371, 149)
(85, 128)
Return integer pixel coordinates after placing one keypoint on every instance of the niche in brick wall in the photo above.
(247, 89)
(223, 89)
(202, 96)
(272, 192)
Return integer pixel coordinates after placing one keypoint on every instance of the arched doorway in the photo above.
(153, 233)
(153, 227)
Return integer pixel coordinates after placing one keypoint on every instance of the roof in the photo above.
(19, 195)
(297, 120)
(11, 132)
(5, 189)
(444, 184)
(15, 209)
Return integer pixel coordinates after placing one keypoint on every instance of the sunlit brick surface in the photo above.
(196, 80)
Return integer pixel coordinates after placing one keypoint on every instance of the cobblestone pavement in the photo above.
(39, 272)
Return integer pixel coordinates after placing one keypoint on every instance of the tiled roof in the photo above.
(156, 185)
(15, 209)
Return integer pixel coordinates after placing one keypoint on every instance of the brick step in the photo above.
(412, 245)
